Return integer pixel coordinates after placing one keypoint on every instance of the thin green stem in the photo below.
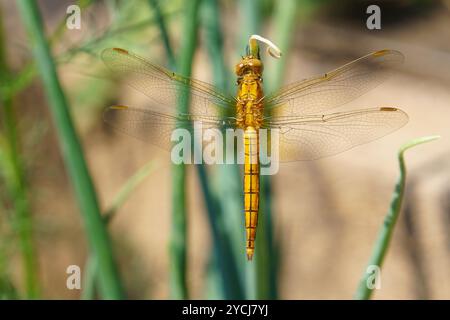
(265, 263)
(90, 279)
(285, 19)
(284, 23)
(91, 268)
(178, 241)
(28, 72)
(371, 276)
(251, 20)
(110, 285)
(129, 186)
(164, 34)
(225, 260)
(15, 176)
(214, 43)
(22, 221)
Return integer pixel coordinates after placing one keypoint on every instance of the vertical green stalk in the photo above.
(251, 20)
(28, 72)
(22, 221)
(16, 183)
(284, 23)
(366, 285)
(214, 43)
(90, 279)
(110, 286)
(178, 247)
(227, 259)
(154, 4)
(228, 275)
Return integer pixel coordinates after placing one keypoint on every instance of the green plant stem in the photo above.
(225, 257)
(284, 23)
(110, 285)
(251, 20)
(28, 72)
(164, 34)
(379, 251)
(265, 255)
(90, 279)
(214, 43)
(22, 221)
(129, 186)
(228, 275)
(91, 268)
(178, 241)
(16, 184)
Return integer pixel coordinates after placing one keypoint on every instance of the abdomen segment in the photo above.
(251, 187)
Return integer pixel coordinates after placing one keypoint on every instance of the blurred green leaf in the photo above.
(91, 268)
(12, 171)
(178, 241)
(110, 284)
(227, 263)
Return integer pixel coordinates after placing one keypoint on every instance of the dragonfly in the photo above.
(299, 111)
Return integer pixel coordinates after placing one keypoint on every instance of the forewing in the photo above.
(156, 121)
(165, 88)
(321, 93)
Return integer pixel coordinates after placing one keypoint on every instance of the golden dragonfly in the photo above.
(297, 110)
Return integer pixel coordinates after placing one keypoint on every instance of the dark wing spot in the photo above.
(380, 53)
(119, 50)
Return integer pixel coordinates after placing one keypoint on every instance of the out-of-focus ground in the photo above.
(327, 212)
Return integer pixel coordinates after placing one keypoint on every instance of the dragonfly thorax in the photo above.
(249, 105)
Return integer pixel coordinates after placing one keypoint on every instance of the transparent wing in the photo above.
(318, 94)
(155, 122)
(317, 136)
(166, 88)
(157, 128)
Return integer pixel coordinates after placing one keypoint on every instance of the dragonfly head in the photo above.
(249, 64)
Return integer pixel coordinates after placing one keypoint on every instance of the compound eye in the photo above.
(239, 69)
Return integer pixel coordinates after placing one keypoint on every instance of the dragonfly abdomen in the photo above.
(251, 187)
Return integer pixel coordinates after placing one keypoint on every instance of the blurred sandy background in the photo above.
(327, 212)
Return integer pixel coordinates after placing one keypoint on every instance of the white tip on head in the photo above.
(272, 49)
